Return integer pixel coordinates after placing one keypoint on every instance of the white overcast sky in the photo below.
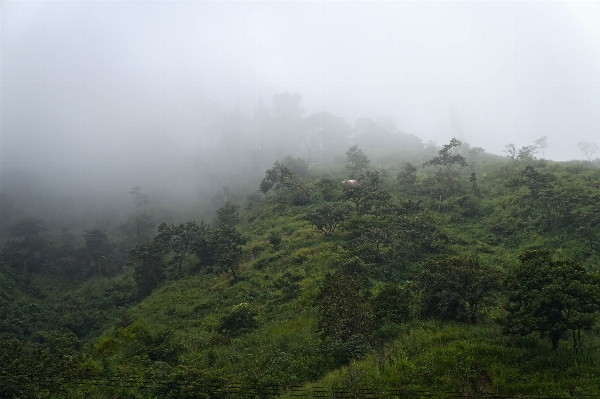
(84, 82)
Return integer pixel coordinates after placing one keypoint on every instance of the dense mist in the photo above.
(187, 97)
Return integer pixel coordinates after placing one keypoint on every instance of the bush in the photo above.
(240, 320)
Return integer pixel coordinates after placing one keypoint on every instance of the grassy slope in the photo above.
(286, 349)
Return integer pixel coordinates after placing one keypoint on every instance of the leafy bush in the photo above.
(240, 320)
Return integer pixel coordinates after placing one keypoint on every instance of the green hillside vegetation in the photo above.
(447, 270)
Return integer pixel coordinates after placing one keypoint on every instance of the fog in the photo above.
(101, 95)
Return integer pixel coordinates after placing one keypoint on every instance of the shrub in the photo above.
(240, 320)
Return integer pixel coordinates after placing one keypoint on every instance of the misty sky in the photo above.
(98, 85)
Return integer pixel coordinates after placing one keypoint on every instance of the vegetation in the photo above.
(447, 279)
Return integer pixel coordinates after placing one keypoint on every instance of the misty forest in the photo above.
(215, 244)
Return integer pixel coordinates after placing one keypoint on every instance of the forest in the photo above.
(316, 259)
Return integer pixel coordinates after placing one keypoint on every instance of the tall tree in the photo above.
(456, 288)
(286, 184)
(327, 217)
(97, 247)
(356, 161)
(408, 176)
(588, 149)
(542, 143)
(179, 240)
(226, 245)
(446, 162)
(551, 296)
(27, 230)
(147, 260)
(139, 226)
(524, 154)
(229, 214)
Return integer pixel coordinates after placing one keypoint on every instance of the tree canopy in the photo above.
(551, 296)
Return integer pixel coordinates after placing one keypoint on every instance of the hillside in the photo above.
(413, 280)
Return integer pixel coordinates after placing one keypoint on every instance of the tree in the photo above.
(358, 195)
(356, 161)
(27, 230)
(241, 319)
(397, 238)
(139, 199)
(298, 166)
(473, 153)
(446, 161)
(31, 372)
(97, 247)
(148, 263)
(327, 217)
(456, 288)
(226, 245)
(408, 176)
(181, 241)
(542, 143)
(524, 154)
(474, 186)
(229, 214)
(391, 305)
(139, 226)
(343, 309)
(329, 189)
(551, 296)
(372, 179)
(588, 149)
(286, 184)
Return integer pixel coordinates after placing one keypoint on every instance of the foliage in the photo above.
(228, 215)
(327, 217)
(27, 230)
(139, 226)
(98, 247)
(344, 311)
(226, 244)
(356, 161)
(456, 288)
(358, 324)
(391, 304)
(551, 296)
(241, 319)
(365, 197)
(408, 176)
(328, 189)
(524, 154)
(286, 184)
(30, 371)
(298, 166)
(446, 161)
(181, 241)
(401, 235)
(275, 239)
(147, 260)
